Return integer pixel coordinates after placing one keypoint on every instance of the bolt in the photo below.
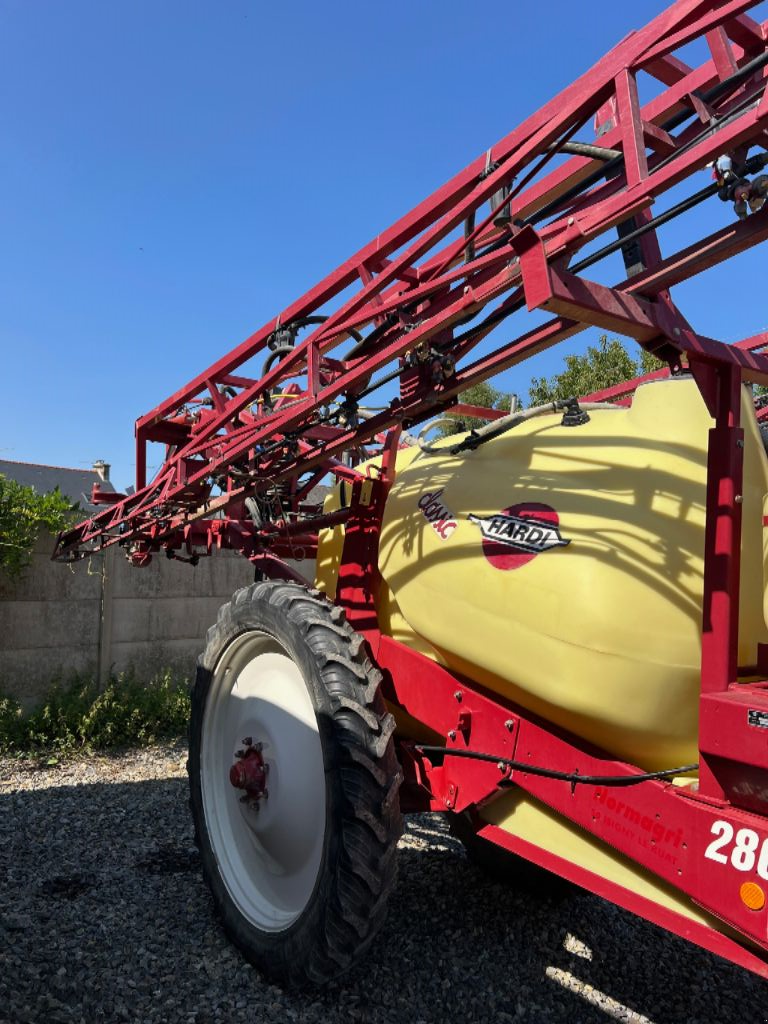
(458, 695)
(452, 734)
(448, 803)
(676, 332)
(739, 444)
(509, 725)
(738, 498)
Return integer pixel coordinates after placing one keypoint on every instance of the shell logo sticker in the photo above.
(516, 535)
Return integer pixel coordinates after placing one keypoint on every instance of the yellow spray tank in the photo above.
(562, 566)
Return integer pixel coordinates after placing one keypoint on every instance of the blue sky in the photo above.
(174, 173)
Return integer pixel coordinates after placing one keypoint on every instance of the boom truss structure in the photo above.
(244, 447)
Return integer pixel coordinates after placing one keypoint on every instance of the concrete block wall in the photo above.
(102, 615)
(49, 622)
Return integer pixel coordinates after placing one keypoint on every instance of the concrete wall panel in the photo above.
(103, 615)
(49, 624)
(29, 674)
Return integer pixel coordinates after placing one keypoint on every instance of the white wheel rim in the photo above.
(268, 859)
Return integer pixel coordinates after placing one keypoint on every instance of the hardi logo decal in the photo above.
(517, 534)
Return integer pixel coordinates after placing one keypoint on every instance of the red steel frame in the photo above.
(505, 231)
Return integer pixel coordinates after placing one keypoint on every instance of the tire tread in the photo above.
(363, 869)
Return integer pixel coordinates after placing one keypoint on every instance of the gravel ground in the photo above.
(104, 917)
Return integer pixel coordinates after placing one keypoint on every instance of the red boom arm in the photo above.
(244, 447)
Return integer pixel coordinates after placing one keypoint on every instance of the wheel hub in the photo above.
(249, 773)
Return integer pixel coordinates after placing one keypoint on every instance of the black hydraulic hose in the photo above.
(277, 353)
(719, 123)
(674, 122)
(604, 172)
(589, 149)
(549, 773)
(319, 318)
(492, 320)
(663, 218)
(733, 80)
(375, 334)
(379, 383)
(613, 164)
(280, 351)
(469, 227)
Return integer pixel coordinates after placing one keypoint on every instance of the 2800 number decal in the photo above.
(744, 852)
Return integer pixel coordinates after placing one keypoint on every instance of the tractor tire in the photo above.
(301, 875)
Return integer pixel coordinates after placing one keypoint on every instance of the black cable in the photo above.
(729, 83)
(549, 773)
(674, 122)
(379, 383)
(670, 214)
(614, 164)
(711, 129)
(502, 313)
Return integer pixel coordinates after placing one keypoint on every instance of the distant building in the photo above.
(74, 484)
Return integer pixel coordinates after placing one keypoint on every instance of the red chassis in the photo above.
(244, 449)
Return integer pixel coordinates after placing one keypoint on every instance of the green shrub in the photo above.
(78, 716)
(12, 725)
(23, 513)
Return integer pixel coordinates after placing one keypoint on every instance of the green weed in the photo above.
(80, 717)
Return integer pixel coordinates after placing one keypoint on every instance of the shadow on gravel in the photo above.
(104, 917)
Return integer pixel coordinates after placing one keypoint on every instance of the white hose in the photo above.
(504, 422)
(405, 438)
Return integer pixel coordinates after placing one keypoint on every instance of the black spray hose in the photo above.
(670, 214)
(574, 778)
(674, 122)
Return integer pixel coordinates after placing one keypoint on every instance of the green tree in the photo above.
(601, 366)
(482, 394)
(23, 513)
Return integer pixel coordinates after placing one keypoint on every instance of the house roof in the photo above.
(74, 484)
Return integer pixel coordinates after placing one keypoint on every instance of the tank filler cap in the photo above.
(574, 415)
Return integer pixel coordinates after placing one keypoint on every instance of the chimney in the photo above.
(101, 468)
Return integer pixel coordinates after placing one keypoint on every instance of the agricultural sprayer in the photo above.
(551, 628)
